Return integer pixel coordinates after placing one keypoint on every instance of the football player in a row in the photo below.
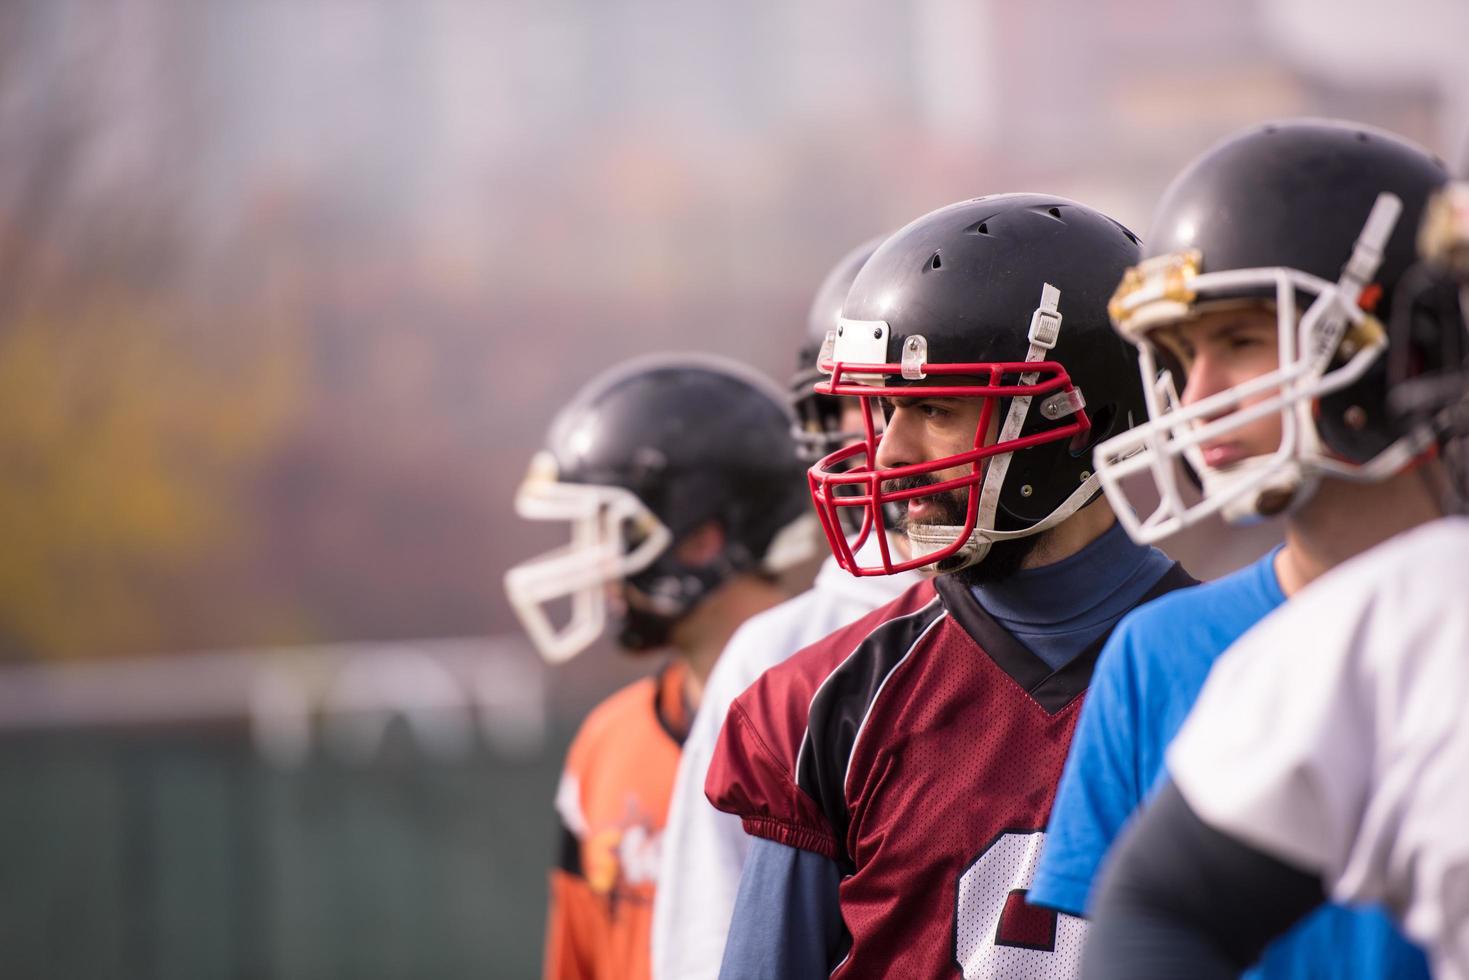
(907, 774)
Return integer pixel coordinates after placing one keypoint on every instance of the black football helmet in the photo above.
(1003, 299)
(1433, 392)
(1317, 218)
(646, 453)
(819, 417)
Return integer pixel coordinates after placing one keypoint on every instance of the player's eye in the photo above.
(934, 412)
(1243, 342)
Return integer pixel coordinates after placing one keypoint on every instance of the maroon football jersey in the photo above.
(920, 749)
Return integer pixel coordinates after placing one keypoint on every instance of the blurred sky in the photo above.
(293, 287)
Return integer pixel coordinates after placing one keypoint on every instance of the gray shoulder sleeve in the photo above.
(1179, 898)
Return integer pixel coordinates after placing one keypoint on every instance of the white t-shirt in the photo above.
(1335, 736)
(704, 849)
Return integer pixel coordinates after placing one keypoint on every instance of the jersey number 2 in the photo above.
(996, 934)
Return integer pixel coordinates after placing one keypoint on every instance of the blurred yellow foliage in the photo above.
(125, 438)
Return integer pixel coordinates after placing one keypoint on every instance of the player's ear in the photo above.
(701, 546)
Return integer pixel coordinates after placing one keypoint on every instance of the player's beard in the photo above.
(1003, 559)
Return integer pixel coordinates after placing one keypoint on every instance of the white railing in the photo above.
(451, 695)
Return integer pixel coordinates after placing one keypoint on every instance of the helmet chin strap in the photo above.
(926, 539)
(1287, 487)
(929, 538)
(1282, 486)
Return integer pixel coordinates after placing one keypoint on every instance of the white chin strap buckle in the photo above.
(929, 539)
(1283, 491)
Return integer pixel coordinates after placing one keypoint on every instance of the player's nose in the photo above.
(1206, 377)
(900, 443)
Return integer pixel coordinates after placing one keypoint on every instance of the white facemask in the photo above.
(1162, 291)
(600, 517)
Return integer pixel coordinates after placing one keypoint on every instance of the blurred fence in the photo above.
(345, 812)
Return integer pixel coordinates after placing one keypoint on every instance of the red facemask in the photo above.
(850, 477)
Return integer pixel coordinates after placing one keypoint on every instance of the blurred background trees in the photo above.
(289, 292)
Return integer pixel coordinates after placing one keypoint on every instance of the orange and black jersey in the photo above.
(612, 803)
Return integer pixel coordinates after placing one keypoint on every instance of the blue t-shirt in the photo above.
(1146, 680)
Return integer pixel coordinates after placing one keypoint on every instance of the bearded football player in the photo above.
(897, 774)
(678, 478)
(1259, 314)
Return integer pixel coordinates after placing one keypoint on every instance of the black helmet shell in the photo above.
(696, 438)
(968, 277)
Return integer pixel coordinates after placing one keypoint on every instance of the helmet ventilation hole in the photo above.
(984, 229)
(1054, 212)
(935, 262)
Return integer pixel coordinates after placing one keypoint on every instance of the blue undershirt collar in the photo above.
(1059, 610)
